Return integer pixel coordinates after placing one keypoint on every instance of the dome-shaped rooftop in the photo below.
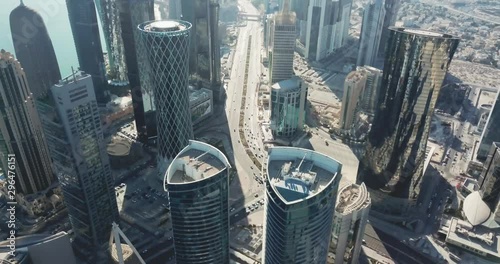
(475, 209)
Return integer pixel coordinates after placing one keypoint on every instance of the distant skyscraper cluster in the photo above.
(327, 27)
(415, 68)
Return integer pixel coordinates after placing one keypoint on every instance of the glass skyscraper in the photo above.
(301, 191)
(21, 131)
(167, 45)
(197, 183)
(34, 49)
(132, 13)
(83, 20)
(371, 31)
(491, 132)
(72, 125)
(414, 70)
(288, 100)
(282, 52)
(391, 13)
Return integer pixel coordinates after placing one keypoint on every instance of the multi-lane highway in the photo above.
(243, 163)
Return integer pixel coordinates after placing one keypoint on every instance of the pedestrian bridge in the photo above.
(251, 17)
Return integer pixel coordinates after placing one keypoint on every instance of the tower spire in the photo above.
(22, 2)
(286, 7)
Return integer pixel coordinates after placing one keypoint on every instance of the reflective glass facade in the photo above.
(288, 99)
(283, 47)
(21, 132)
(72, 125)
(371, 31)
(489, 181)
(413, 74)
(491, 132)
(300, 203)
(167, 46)
(112, 30)
(391, 13)
(34, 49)
(197, 183)
(132, 13)
(83, 20)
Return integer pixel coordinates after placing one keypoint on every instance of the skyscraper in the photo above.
(167, 45)
(301, 190)
(372, 87)
(391, 13)
(489, 181)
(288, 101)
(132, 13)
(34, 49)
(197, 182)
(112, 30)
(83, 20)
(395, 153)
(72, 125)
(204, 58)
(491, 131)
(21, 130)
(283, 45)
(327, 27)
(349, 221)
(351, 101)
(371, 31)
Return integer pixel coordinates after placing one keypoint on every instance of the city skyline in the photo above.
(269, 131)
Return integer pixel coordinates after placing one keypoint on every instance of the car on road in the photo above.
(256, 195)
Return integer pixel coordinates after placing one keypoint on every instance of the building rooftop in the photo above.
(354, 76)
(165, 26)
(476, 211)
(423, 32)
(75, 77)
(119, 147)
(477, 238)
(196, 162)
(297, 174)
(286, 85)
(352, 198)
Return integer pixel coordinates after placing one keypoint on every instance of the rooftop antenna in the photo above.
(286, 7)
(22, 3)
(300, 164)
(73, 72)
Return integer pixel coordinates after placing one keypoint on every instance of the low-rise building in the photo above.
(201, 104)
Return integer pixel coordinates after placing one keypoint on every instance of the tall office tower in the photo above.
(132, 13)
(204, 60)
(21, 130)
(327, 27)
(391, 13)
(83, 20)
(288, 100)
(72, 125)
(112, 30)
(349, 221)
(283, 45)
(300, 8)
(167, 45)
(353, 90)
(301, 189)
(371, 93)
(197, 182)
(491, 131)
(489, 181)
(34, 49)
(371, 31)
(393, 163)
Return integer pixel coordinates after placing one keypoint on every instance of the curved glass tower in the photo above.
(301, 191)
(34, 49)
(288, 99)
(197, 184)
(415, 67)
(21, 131)
(167, 44)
